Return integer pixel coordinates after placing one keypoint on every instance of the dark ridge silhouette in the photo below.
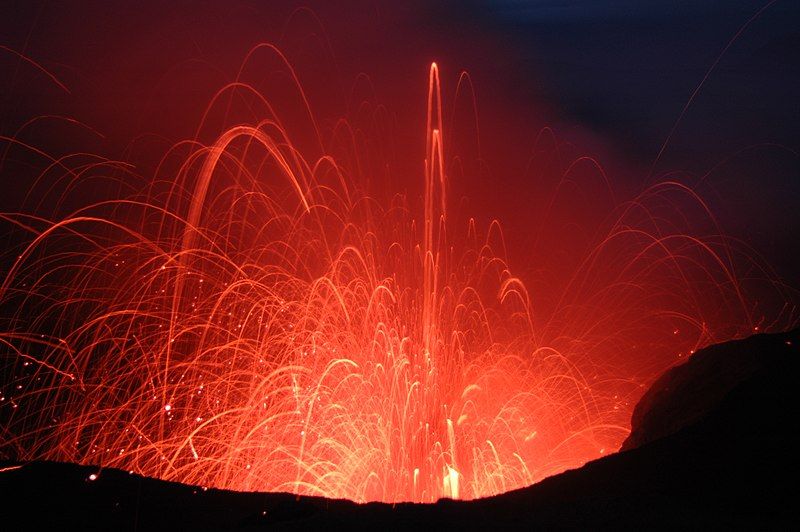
(686, 393)
(712, 445)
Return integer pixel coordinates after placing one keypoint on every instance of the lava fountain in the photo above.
(258, 321)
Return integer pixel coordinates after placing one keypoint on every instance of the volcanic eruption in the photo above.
(255, 315)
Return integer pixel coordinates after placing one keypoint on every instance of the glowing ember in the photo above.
(224, 332)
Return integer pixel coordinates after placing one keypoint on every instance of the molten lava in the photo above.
(256, 320)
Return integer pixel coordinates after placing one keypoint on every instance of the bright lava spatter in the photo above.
(322, 343)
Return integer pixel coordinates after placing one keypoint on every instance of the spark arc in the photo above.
(254, 319)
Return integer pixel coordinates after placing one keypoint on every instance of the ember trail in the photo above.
(253, 319)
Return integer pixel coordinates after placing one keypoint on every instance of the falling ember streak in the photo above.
(311, 341)
(39, 67)
(24, 356)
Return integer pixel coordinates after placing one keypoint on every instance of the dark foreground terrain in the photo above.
(712, 445)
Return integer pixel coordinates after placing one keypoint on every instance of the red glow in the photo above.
(255, 318)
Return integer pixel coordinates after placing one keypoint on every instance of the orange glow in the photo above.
(255, 319)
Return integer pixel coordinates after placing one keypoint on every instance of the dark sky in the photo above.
(610, 76)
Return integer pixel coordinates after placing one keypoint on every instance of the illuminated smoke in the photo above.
(263, 323)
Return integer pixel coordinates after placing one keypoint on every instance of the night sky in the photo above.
(611, 78)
